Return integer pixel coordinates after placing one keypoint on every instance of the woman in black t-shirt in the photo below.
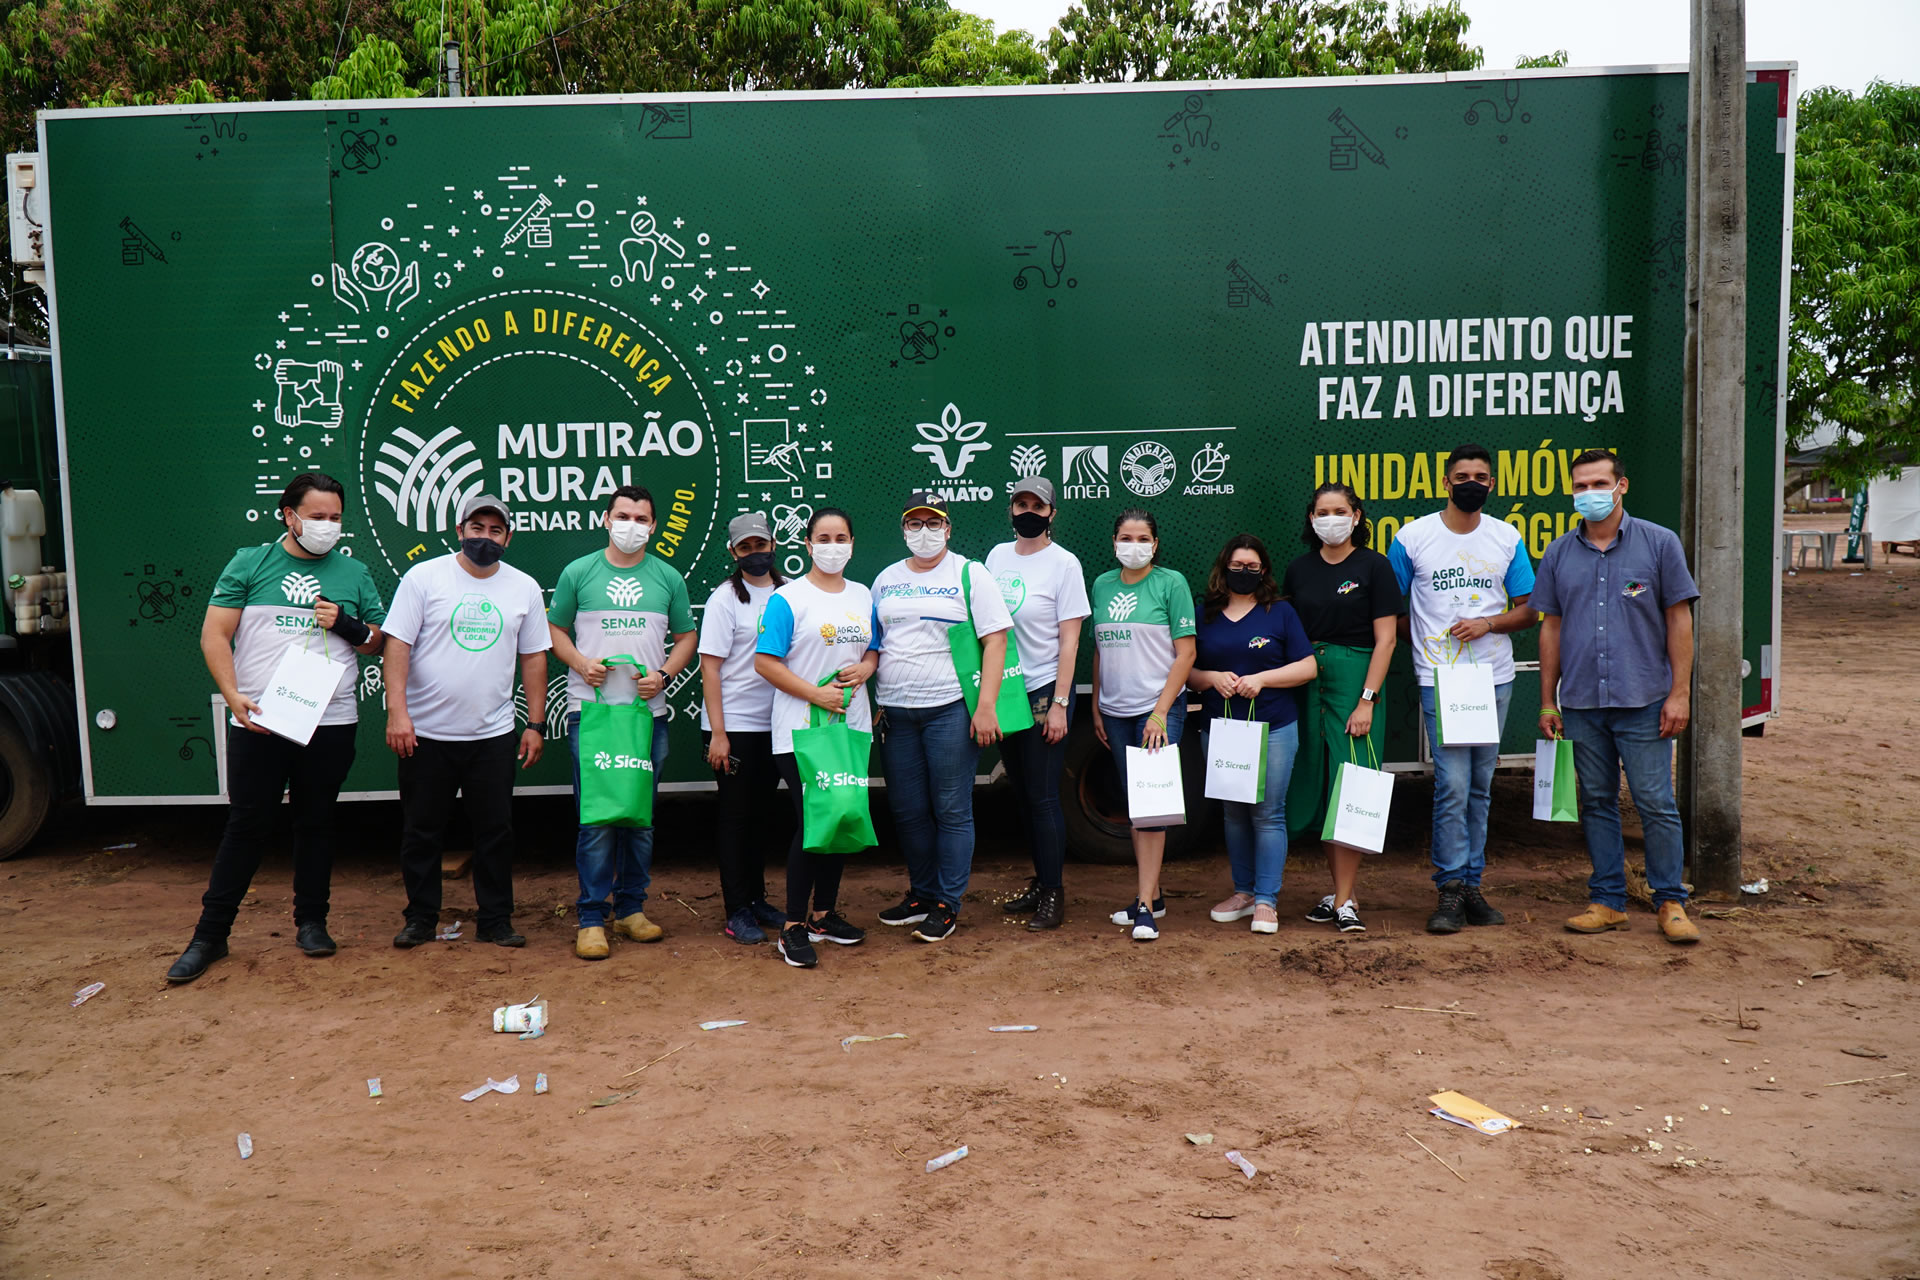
(1348, 601)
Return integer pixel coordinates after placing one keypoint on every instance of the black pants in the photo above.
(1035, 766)
(813, 876)
(262, 767)
(746, 817)
(482, 772)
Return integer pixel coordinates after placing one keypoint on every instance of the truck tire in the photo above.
(26, 790)
(1096, 811)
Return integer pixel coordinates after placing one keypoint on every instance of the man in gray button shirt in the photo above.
(1616, 645)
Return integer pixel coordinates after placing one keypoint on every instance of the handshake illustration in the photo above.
(309, 394)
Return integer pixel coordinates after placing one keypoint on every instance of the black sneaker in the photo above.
(417, 933)
(501, 935)
(795, 948)
(910, 910)
(766, 915)
(833, 927)
(939, 923)
(313, 939)
(1125, 914)
(1450, 916)
(1143, 926)
(1024, 901)
(1323, 912)
(1348, 918)
(1478, 909)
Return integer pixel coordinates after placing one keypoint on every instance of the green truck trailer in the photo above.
(1199, 298)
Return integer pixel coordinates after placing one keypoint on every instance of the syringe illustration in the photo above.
(1367, 147)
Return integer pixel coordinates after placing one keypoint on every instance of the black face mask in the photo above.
(482, 551)
(1031, 524)
(756, 564)
(1470, 495)
(1243, 582)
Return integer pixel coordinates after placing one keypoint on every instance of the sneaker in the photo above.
(1143, 927)
(1236, 907)
(417, 933)
(1450, 915)
(795, 949)
(1024, 901)
(1349, 918)
(833, 927)
(938, 924)
(1266, 919)
(742, 927)
(1478, 909)
(909, 910)
(501, 935)
(1125, 914)
(1323, 912)
(766, 915)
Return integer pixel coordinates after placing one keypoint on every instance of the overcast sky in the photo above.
(1840, 42)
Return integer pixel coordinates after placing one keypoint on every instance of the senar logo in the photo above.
(1121, 607)
(625, 592)
(300, 588)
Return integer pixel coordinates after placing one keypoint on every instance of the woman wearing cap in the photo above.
(929, 741)
(811, 628)
(736, 722)
(1252, 652)
(1349, 602)
(1046, 592)
(1143, 649)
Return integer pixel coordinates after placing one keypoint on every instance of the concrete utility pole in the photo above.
(1714, 436)
(450, 55)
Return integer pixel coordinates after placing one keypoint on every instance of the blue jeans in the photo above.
(1034, 767)
(615, 861)
(1257, 833)
(1462, 791)
(1125, 731)
(930, 757)
(1604, 740)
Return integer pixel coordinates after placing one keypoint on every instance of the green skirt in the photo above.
(1325, 704)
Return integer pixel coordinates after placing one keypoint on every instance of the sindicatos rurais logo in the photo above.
(1147, 468)
(300, 588)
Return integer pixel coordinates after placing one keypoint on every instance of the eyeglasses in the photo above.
(935, 523)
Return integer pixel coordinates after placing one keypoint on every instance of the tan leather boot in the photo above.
(1674, 923)
(1597, 918)
(638, 928)
(591, 943)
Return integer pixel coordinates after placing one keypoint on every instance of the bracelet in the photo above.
(1549, 711)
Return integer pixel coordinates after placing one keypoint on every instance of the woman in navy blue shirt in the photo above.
(1252, 648)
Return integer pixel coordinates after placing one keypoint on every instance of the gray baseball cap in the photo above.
(1039, 486)
(476, 502)
(751, 524)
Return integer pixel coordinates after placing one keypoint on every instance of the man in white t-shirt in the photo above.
(459, 627)
(1467, 578)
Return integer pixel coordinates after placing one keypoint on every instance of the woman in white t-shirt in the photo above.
(931, 743)
(811, 628)
(736, 723)
(1046, 592)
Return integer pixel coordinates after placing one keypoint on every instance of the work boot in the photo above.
(1049, 910)
(1674, 923)
(1478, 910)
(194, 960)
(637, 928)
(1597, 918)
(1028, 899)
(1450, 916)
(313, 939)
(590, 943)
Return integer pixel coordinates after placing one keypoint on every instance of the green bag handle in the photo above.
(1250, 702)
(818, 717)
(621, 660)
(1372, 755)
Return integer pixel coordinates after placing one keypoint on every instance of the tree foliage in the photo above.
(1854, 359)
(1558, 58)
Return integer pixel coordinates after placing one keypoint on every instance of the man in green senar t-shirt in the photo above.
(291, 592)
(619, 601)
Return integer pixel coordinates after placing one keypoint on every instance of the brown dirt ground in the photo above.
(766, 1151)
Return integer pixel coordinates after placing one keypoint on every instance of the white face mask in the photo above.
(926, 543)
(1333, 530)
(1133, 555)
(629, 535)
(317, 536)
(830, 557)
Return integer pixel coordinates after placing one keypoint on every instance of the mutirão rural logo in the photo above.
(1121, 607)
(300, 588)
(625, 592)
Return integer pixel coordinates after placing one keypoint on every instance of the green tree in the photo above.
(375, 69)
(1558, 58)
(1854, 356)
(966, 51)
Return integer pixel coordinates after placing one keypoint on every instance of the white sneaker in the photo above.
(1323, 912)
(1125, 914)
(1143, 926)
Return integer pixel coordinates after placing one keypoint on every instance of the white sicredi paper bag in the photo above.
(1361, 800)
(1154, 794)
(297, 693)
(1463, 697)
(1237, 760)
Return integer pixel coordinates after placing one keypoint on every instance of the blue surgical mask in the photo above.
(1595, 504)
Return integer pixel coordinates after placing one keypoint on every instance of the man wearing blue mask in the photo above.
(1616, 671)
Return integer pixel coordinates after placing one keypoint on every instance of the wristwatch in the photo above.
(1059, 701)
(1369, 695)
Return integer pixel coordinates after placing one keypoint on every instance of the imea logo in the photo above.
(822, 780)
(608, 760)
(963, 439)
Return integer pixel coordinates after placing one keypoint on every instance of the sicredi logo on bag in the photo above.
(822, 780)
(1155, 784)
(1008, 676)
(281, 691)
(608, 760)
(1220, 762)
(1348, 807)
(1469, 706)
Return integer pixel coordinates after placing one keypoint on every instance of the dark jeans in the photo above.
(931, 756)
(261, 767)
(745, 818)
(614, 862)
(1128, 731)
(482, 773)
(811, 877)
(1034, 767)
